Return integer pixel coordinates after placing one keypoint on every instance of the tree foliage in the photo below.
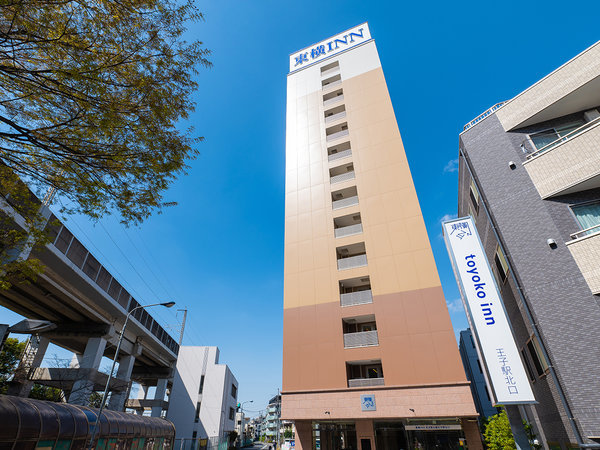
(40, 392)
(498, 435)
(90, 96)
(9, 359)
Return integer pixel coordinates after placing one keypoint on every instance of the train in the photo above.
(27, 424)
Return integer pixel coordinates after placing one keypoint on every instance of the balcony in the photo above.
(333, 97)
(347, 225)
(360, 331)
(330, 69)
(344, 198)
(341, 173)
(337, 132)
(364, 373)
(569, 164)
(331, 82)
(339, 151)
(336, 113)
(585, 249)
(351, 256)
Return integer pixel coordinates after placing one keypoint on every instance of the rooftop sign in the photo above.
(329, 47)
(503, 369)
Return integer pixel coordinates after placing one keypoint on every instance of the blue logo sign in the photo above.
(367, 402)
(322, 50)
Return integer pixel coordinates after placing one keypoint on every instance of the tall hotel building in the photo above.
(529, 174)
(370, 360)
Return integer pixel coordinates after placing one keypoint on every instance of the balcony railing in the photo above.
(335, 117)
(337, 135)
(483, 115)
(340, 155)
(352, 261)
(566, 137)
(332, 84)
(365, 382)
(333, 100)
(345, 202)
(331, 71)
(586, 232)
(356, 298)
(349, 230)
(361, 339)
(342, 177)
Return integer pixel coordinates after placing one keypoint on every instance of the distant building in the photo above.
(529, 175)
(272, 418)
(474, 372)
(204, 395)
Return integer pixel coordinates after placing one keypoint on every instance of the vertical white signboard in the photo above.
(505, 373)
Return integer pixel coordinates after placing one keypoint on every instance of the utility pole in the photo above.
(182, 325)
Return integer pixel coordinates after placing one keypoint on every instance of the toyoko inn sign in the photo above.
(503, 369)
(329, 47)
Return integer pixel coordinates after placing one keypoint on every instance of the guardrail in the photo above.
(333, 84)
(333, 100)
(339, 134)
(566, 137)
(483, 115)
(366, 382)
(335, 117)
(352, 261)
(345, 202)
(339, 155)
(356, 298)
(349, 230)
(361, 339)
(587, 232)
(342, 177)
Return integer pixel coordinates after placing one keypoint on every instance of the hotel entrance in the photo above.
(401, 436)
(334, 436)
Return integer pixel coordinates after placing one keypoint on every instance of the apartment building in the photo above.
(529, 175)
(369, 354)
(203, 400)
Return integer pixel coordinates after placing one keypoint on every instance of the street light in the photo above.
(105, 393)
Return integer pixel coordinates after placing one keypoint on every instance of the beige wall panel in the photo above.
(427, 402)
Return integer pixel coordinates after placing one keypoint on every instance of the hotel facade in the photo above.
(370, 360)
(529, 175)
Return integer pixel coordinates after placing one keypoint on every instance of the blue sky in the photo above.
(220, 251)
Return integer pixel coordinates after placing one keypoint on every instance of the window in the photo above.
(474, 196)
(201, 385)
(501, 265)
(234, 391)
(527, 365)
(588, 215)
(479, 365)
(194, 434)
(537, 356)
(197, 416)
(544, 138)
(231, 413)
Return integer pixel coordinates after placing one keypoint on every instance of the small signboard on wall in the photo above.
(367, 402)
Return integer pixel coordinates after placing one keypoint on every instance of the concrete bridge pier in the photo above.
(159, 395)
(92, 356)
(118, 398)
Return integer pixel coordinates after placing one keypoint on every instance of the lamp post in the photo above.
(242, 436)
(105, 393)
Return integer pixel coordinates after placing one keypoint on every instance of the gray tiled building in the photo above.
(530, 176)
